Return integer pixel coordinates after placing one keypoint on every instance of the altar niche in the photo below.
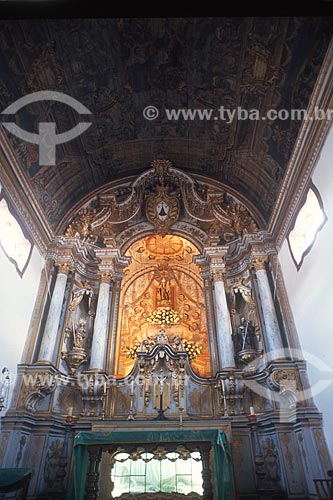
(162, 288)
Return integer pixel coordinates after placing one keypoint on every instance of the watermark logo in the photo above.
(47, 138)
(229, 115)
(150, 113)
(287, 394)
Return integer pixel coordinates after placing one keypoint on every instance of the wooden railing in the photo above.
(324, 487)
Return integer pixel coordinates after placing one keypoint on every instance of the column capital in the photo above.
(64, 267)
(106, 276)
(259, 263)
(217, 273)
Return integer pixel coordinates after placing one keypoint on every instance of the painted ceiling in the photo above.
(118, 67)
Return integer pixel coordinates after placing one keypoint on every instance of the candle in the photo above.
(223, 388)
(132, 387)
(70, 411)
(252, 410)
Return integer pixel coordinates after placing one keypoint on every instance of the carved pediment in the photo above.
(163, 196)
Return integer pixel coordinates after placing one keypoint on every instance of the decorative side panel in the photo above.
(4, 445)
(199, 400)
(322, 450)
(34, 455)
(292, 464)
(241, 449)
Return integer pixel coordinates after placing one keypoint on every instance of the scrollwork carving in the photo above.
(81, 225)
(93, 390)
(38, 386)
(285, 378)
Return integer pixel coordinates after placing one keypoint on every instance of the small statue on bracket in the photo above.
(245, 340)
(245, 335)
(77, 355)
(79, 334)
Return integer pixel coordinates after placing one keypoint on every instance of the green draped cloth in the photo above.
(217, 438)
(9, 477)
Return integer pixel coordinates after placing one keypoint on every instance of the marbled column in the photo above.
(271, 328)
(100, 338)
(115, 313)
(223, 323)
(49, 341)
(36, 318)
(210, 318)
(287, 315)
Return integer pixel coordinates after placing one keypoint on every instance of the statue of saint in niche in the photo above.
(244, 336)
(79, 335)
(163, 292)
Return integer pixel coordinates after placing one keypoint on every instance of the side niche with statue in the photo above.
(76, 354)
(81, 313)
(245, 330)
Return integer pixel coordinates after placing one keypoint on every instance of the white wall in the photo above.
(310, 292)
(17, 298)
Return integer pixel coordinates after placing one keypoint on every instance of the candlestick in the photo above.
(181, 416)
(131, 413)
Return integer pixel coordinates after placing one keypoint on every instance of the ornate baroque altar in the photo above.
(161, 316)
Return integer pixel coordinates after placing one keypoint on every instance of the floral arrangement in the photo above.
(163, 316)
(192, 348)
(131, 350)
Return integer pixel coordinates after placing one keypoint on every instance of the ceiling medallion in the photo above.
(162, 209)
